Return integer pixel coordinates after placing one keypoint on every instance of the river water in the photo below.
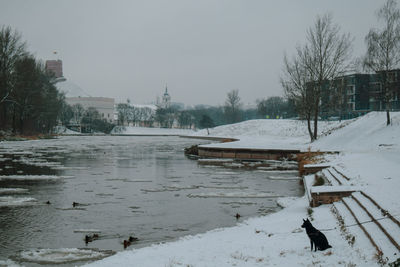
(125, 186)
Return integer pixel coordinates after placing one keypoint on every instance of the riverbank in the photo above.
(138, 131)
(26, 137)
(370, 157)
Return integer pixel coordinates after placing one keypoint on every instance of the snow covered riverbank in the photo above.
(370, 158)
(269, 134)
(276, 239)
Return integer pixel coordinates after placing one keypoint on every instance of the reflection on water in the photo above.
(122, 186)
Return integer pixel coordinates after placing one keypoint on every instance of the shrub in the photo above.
(319, 180)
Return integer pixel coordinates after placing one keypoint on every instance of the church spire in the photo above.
(166, 99)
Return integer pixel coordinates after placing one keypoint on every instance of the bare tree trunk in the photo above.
(3, 116)
(309, 127)
(14, 123)
(316, 111)
(387, 117)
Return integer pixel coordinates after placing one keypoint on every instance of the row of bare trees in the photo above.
(326, 55)
(383, 50)
(29, 102)
(135, 115)
(88, 120)
(174, 116)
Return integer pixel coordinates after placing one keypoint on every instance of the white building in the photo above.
(75, 95)
(104, 105)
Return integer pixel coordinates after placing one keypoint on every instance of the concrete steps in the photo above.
(352, 230)
(334, 177)
(374, 224)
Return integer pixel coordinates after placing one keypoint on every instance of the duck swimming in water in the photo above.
(133, 239)
(126, 244)
(89, 238)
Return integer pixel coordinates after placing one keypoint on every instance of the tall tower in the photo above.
(166, 99)
(55, 66)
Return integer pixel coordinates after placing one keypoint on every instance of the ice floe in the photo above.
(7, 201)
(87, 231)
(38, 162)
(283, 178)
(233, 195)
(10, 191)
(9, 263)
(69, 168)
(32, 177)
(16, 153)
(63, 255)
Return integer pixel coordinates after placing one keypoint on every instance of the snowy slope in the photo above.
(365, 133)
(269, 134)
(264, 128)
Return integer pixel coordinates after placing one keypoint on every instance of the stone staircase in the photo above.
(374, 222)
(335, 177)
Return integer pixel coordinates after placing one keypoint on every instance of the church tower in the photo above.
(166, 99)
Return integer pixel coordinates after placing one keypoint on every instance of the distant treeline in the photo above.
(203, 116)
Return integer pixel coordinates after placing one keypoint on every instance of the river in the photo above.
(125, 186)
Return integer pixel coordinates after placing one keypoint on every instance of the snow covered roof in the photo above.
(153, 107)
(71, 89)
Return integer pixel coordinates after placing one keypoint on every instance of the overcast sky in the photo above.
(202, 49)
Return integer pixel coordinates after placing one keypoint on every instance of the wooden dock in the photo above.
(329, 194)
(247, 153)
(311, 169)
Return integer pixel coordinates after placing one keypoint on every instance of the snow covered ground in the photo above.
(370, 157)
(64, 130)
(268, 134)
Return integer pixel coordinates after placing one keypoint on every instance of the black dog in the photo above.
(317, 238)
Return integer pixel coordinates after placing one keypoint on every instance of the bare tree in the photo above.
(206, 122)
(383, 50)
(323, 58)
(78, 112)
(232, 106)
(296, 82)
(185, 119)
(123, 113)
(146, 116)
(26, 93)
(272, 107)
(11, 49)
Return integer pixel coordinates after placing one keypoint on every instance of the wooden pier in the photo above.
(328, 194)
(247, 153)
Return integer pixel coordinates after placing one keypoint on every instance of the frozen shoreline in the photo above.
(131, 130)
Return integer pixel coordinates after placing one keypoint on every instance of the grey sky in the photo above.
(202, 49)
